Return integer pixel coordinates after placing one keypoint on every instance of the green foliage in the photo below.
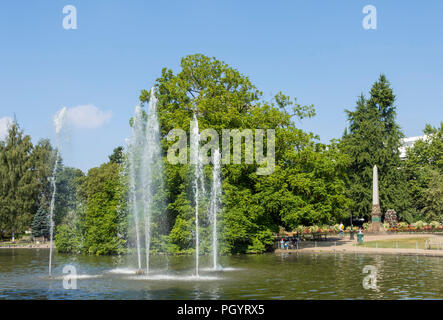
(43, 159)
(313, 183)
(40, 226)
(67, 183)
(308, 184)
(18, 184)
(117, 155)
(104, 216)
(435, 224)
(424, 169)
(374, 138)
(68, 239)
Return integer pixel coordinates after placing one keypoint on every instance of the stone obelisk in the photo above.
(376, 225)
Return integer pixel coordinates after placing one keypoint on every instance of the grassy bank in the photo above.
(407, 243)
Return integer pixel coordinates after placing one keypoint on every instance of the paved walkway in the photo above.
(348, 246)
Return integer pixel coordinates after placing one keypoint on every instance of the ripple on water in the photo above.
(166, 277)
(123, 271)
(76, 276)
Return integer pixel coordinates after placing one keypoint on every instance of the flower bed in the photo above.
(411, 229)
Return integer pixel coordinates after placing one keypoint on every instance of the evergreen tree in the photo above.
(43, 157)
(18, 186)
(374, 138)
(40, 226)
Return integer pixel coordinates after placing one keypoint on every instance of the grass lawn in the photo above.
(16, 244)
(408, 243)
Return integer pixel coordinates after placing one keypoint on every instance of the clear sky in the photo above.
(316, 50)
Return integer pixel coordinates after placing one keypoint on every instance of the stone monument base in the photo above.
(376, 226)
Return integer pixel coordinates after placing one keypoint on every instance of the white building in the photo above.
(407, 143)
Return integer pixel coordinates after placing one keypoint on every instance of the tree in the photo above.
(373, 138)
(18, 186)
(424, 170)
(254, 206)
(67, 183)
(433, 198)
(117, 155)
(43, 160)
(40, 226)
(103, 220)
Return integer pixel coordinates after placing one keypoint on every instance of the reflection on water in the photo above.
(23, 275)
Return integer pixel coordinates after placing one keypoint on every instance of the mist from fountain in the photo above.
(198, 183)
(151, 169)
(59, 120)
(136, 143)
(215, 203)
(145, 171)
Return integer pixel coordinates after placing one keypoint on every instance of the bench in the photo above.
(317, 236)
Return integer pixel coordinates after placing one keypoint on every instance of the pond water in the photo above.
(23, 275)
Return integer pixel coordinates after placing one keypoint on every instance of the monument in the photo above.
(376, 226)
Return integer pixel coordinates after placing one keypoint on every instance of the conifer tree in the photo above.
(18, 187)
(374, 138)
(40, 226)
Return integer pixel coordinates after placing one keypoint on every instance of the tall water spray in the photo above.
(198, 183)
(145, 173)
(59, 120)
(151, 165)
(136, 143)
(215, 202)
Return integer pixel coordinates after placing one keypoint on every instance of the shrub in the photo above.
(68, 240)
(403, 225)
(314, 228)
(300, 229)
(419, 224)
(435, 224)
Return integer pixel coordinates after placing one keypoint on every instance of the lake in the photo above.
(23, 275)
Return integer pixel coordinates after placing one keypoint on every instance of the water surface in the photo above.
(23, 275)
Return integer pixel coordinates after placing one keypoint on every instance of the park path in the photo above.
(348, 246)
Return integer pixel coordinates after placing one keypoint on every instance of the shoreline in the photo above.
(25, 246)
(349, 246)
(354, 250)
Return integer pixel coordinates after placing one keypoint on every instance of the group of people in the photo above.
(292, 242)
(289, 243)
(342, 229)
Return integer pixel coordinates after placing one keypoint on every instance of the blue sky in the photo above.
(316, 50)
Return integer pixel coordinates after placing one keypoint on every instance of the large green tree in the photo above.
(18, 186)
(103, 218)
(253, 206)
(424, 169)
(373, 137)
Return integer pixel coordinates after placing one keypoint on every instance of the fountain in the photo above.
(135, 145)
(145, 178)
(215, 203)
(145, 173)
(198, 185)
(59, 119)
